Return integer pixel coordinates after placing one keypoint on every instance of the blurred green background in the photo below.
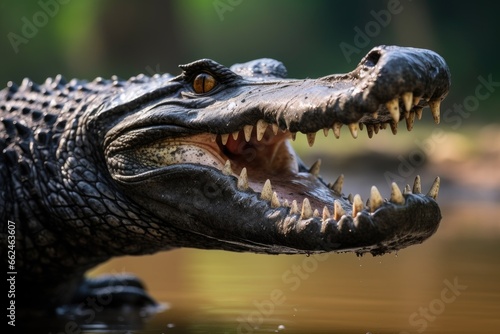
(210, 291)
(92, 38)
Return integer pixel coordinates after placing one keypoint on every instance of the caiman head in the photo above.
(208, 153)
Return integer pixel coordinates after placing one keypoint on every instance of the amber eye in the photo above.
(203, 83)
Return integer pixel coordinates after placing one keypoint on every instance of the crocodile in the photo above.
(95, 169)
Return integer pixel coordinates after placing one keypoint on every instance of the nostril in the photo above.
(372, 58)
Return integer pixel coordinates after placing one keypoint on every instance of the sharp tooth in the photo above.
(338, 184)
(316, 213)
(396, 195)
(325, 131)
(235, 135)
(338, 210)
(418, 112)
(285, 203)
(357, 205)
(267, 191)
(393, 107)
(275, 202)
(361, 126)
(275, 128)
(369, 130)
(227, 170)
(224, 138)
(407, 100)
(310, 138)
(394, 127)
(434, 191)
(326, 213)
(410, 120)
(435, 110)
(294, 135)
(243, 179)
(353, 127)
(383, 126)
(349, 198)
(247, 129)
(306, 209)
(336, 129)
(294, 208)
(376, 199)
(417, 186)
(407, 190)
(416, 100)
(261, 129)
(213, 137)
(376, 127)
(314, 170)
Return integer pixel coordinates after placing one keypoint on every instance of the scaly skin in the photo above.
(92, 170)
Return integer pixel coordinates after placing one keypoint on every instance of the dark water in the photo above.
(449, 284)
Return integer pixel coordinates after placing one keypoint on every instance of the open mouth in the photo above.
(261, 160)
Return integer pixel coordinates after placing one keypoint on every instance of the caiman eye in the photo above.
(204, 83)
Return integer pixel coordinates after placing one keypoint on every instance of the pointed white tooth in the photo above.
(434, 191)
(247, 129)
(326, 213)
(325, 131)
(235, 135)
(310, 138)
(243, 179)
(261, 129)
(418, 112)
(338, 184)
(394, 127)
(336, 129)
(316, 213)
(407, 190)
(275, 128)
(417, 185)
(338, 211)
(376, 199)
(435, 110)
(353, 127)
(293, 135)
(227, 170)
(315, 168)
(410, 120)
(416, 100)
(224, 138)
(393, 107)
(267, 191)
(369, 130)
(285, 203)
(307, 211)
(357, 205)
(294, 208)
(213, 137)
(275, 202)
(407, 100)
(396, 195)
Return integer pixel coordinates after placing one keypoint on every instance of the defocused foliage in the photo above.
(100, 38)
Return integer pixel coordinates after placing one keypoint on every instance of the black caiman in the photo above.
(93, 170)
